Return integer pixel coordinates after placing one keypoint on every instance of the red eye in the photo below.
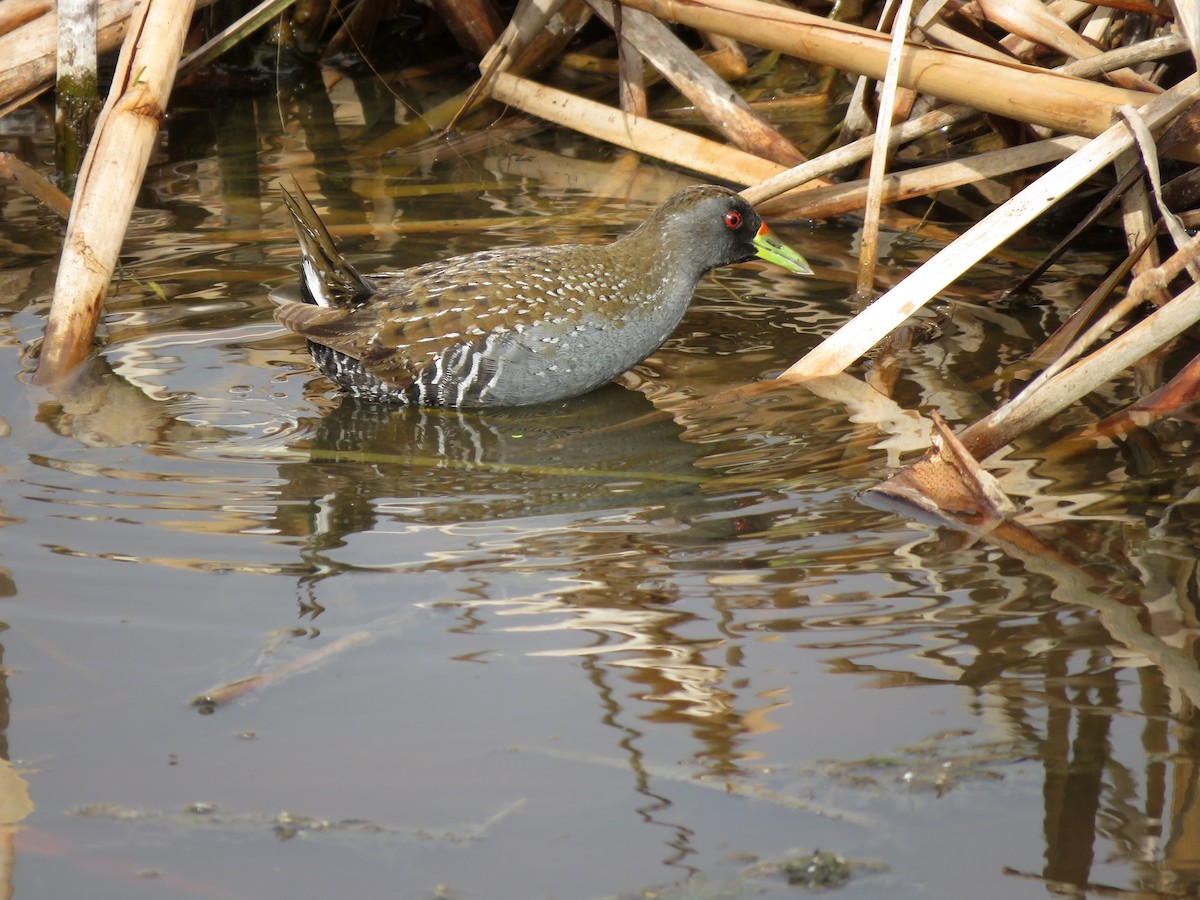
(733, 220)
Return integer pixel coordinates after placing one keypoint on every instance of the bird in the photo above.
(514, 326)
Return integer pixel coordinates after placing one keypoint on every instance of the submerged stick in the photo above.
(109, 179)
(854, 152)
(231, 690)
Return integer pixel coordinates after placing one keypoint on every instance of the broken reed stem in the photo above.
(1035, 405)
(869, 246)
(716, 100)
(838, 199)
(231, 690)
(1142, 289)
(1033, 21)
(910, 130)
(856, 337)
(631, 132)
(631, 68)
(109, 179)
(854, 152)
(1010, 89)
(35, 185)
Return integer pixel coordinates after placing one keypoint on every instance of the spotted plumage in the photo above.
(516, 326)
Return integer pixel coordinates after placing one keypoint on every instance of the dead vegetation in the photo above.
(1052, 95)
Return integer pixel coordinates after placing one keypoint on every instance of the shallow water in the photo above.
(650, 639)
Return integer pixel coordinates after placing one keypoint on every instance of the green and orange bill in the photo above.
(772, 249)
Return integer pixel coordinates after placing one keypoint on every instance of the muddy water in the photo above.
(648, 640)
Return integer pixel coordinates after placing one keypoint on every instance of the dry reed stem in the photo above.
(641, 135)
(537, 32)
(1186, 15)
(35, 185)
(949, 483)
(1141, 290)
(1149, 159)
(727, 58)
(1017, 91)
(869, 246)
(528, 20)
(1149, 50)
(854, 152)
(631, 74)
(928, 22)
(1031, 20)
(1178, 395)
(1044, 399)
(15, 13)
(856, 337)
(858, 150)
(716, 100)
(1137, 219)
(28, 54)
(109, 179)
(839, 199)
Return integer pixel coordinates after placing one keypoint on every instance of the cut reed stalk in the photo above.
(109, 179)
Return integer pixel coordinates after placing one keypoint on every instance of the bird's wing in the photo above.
(390, 344)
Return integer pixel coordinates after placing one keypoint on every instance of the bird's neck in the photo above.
(665, 255)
